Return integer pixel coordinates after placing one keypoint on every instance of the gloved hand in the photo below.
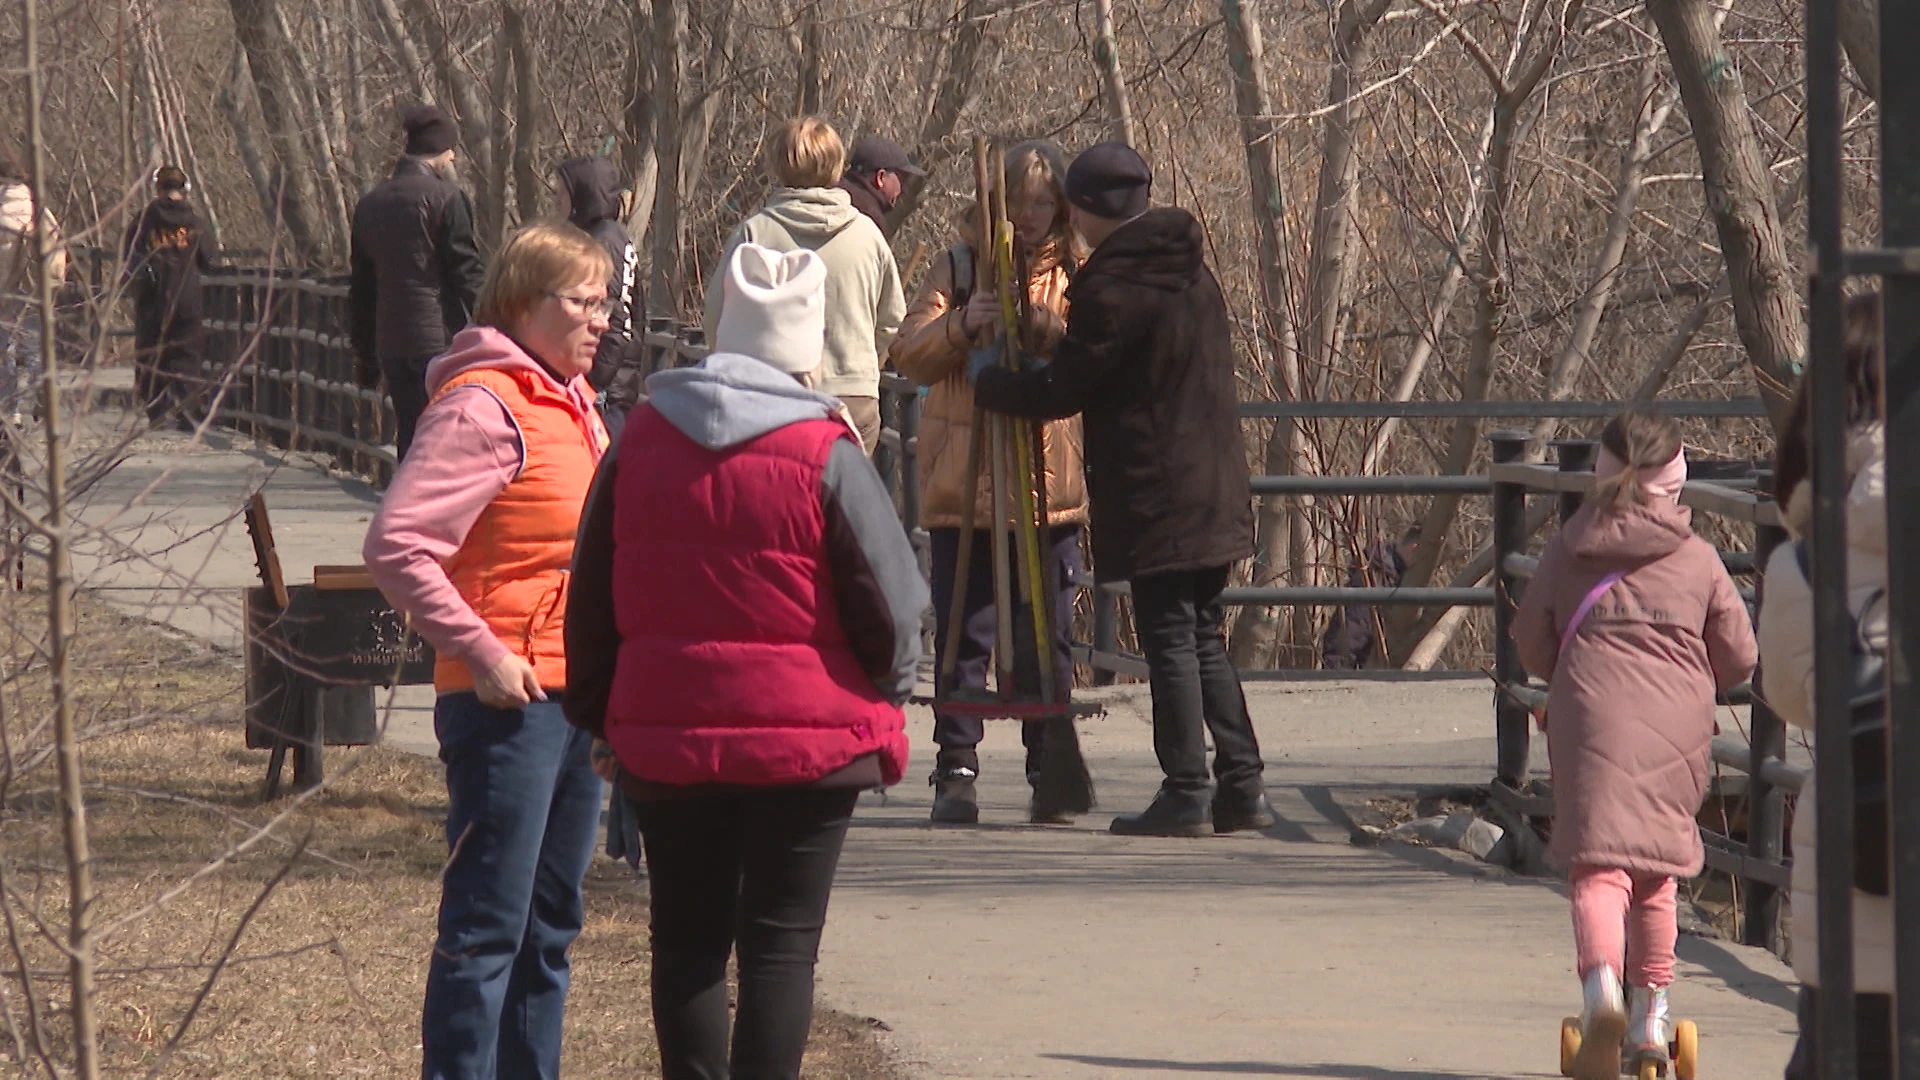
(982, 358)
(366, 372)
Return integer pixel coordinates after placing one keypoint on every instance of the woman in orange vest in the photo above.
(474, 542)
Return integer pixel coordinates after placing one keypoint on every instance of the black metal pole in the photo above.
(1766, 804)
(1838, 1057)
(1900, 228)
(1573, 455)
(1512, 735)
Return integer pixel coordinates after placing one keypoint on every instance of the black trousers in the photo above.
(1061, 550)
(746, 872)
(407, 387)
(1873, 1023)
(1195, 689)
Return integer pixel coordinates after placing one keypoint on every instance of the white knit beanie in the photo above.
(774, 308)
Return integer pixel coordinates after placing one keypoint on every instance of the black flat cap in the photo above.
(430, 132)
(1109, 180)
(873, 153)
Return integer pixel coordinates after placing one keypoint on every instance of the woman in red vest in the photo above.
(474, 542)
(749, 674)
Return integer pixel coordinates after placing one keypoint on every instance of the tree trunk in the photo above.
(297, 197)
(1113, 83)
(469, 110)
(1651, 110)
(1281, 523)
(639, 157)
(1860, 36)
(527, 188)
(406, 54)
(333, 200)
(1739, 192)
(951, 100)
(808, 76)
(669, 84)
(1330, 274)
(232, 100)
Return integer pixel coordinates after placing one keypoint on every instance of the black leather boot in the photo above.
(954, 801)
(1234, 811)
(1170, 814)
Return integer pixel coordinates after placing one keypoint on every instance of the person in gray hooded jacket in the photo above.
(864, 300)
(749, 672)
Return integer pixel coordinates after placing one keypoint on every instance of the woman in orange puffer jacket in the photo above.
(942, 325)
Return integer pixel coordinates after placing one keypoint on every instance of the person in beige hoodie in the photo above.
(1636, 625)
(1786, 678)
(864, 299)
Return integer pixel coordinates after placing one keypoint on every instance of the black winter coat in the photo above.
(1148, 360)
(593, 194)
(416, 270)
(165, 251)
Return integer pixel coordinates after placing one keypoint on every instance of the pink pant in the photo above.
(1626, 921)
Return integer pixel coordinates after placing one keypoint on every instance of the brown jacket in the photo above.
(931, 351)
(1630, 721)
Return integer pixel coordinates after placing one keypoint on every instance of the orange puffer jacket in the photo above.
(931, 351)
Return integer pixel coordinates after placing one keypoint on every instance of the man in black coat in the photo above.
(416, 269)
(589, 194)
(1148, 360)
(165, 251)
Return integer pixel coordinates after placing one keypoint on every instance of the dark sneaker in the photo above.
(1237, 812)
(1169, 815)
(954, 802)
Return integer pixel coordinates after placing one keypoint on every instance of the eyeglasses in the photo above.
(583, 305)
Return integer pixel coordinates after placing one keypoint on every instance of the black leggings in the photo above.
(751, 871)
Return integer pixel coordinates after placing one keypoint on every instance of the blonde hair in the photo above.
(540, 259)
(806, 152)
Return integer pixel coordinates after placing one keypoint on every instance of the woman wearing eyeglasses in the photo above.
(473, 542)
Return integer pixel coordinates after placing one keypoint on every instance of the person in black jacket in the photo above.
(165, 251)
(1148, 361)
(416, 270)
(878, 171)
(589, 196)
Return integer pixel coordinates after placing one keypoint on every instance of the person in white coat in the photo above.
(1786, 634)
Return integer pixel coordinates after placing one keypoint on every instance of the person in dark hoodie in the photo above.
(165, 251)
(416, 268)
(588, 194)
(749, 672)
(1148, 361)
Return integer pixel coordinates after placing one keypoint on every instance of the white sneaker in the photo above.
(1603, 1026)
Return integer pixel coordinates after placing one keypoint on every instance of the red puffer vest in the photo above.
(734, 667)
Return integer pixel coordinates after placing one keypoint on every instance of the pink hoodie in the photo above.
(466, 450)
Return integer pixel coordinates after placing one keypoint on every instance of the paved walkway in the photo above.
(1011, 951)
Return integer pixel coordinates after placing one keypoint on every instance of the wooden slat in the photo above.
(265, 555)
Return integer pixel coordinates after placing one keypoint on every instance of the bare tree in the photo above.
(1739, 193)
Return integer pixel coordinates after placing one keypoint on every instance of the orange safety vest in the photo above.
(513, 567)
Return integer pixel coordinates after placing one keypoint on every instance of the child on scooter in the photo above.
(1634, 621)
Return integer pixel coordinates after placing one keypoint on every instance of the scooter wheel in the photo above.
(1686, 1050)
(1569, 1044)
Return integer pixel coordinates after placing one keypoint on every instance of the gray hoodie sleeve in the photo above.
(876, 576)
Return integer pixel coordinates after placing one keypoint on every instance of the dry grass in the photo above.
(326, 980)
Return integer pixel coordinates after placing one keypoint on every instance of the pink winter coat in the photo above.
(1631, 715)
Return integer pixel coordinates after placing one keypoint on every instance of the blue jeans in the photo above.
(523, 812)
